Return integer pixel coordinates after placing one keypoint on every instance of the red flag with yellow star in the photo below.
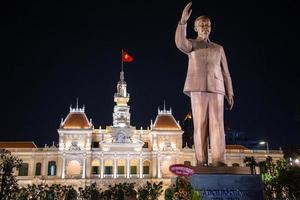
(126, 57)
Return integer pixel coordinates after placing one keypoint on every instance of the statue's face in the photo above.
(203, 28)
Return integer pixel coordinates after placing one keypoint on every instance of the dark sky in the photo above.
(55, 52)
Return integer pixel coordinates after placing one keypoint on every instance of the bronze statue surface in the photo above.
(207, 82)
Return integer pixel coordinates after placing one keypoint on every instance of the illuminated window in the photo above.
(146, 170)
(108, 170)
(23, 170)
(121, 169)
(51, 168)
(38, 168)
(133, 169)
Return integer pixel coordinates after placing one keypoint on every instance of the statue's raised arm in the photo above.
(182, 43)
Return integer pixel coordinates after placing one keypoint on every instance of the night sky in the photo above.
(52, 53)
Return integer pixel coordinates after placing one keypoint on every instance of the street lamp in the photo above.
(265, 143)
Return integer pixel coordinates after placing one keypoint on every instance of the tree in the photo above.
(250, 162)
(121, 191)
(90, 192)
(8, 181)
(45, 192)
(182, 190)
(150, 191)
(281, 181)
(70, 193)
(290, 181)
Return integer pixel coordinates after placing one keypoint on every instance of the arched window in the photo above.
(23, 170)
(51, 168)
(108, 167)
(96, 167)
(146, 167)
(38, 168)
(108, 170)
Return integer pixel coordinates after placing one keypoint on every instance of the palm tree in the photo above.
(251, 162)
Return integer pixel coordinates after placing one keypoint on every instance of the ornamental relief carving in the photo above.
(74, 146)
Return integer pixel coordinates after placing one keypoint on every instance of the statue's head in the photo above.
(202, 26)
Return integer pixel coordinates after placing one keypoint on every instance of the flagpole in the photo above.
(122, 59)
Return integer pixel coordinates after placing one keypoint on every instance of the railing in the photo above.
(96, 175)
(121, 176)
(55, 149)
(108, 175)
(133, 176)
(32, 149)
(146, 176)
(253, 151)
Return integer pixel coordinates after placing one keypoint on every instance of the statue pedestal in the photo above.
(227, 183)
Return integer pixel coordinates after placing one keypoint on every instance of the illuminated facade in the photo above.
(116, 153)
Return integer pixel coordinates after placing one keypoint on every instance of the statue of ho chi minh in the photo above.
(207, 82)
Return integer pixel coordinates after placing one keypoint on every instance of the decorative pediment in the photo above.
(123, 145)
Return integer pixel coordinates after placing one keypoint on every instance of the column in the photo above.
(141, 167)
(83, 168)
(31, 167)
(115, 168)
(155, 147)
(44, 166)
(102, 168)
(193, 161)
(128, 168)
(63, 167)
(158, 166)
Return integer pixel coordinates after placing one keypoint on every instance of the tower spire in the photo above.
(122, 76)
(121, 113)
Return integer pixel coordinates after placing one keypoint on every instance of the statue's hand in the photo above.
(186, 13)
(230, 102)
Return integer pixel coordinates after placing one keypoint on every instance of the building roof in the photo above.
(76, 119)
(236, 147)
(17, 144)
(165, 121)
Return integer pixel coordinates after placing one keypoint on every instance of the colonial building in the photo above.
(116, 153)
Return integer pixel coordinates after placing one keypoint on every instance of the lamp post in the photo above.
(265, 143)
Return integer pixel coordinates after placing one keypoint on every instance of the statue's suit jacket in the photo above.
(207, 68)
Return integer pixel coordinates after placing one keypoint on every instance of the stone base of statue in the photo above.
(227, 183)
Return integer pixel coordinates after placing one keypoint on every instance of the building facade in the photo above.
(117, 153)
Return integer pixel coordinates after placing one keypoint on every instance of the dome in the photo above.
(165, 121)
(76, 119)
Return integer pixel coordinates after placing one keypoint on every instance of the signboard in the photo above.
(228, 186)
(181, 170)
